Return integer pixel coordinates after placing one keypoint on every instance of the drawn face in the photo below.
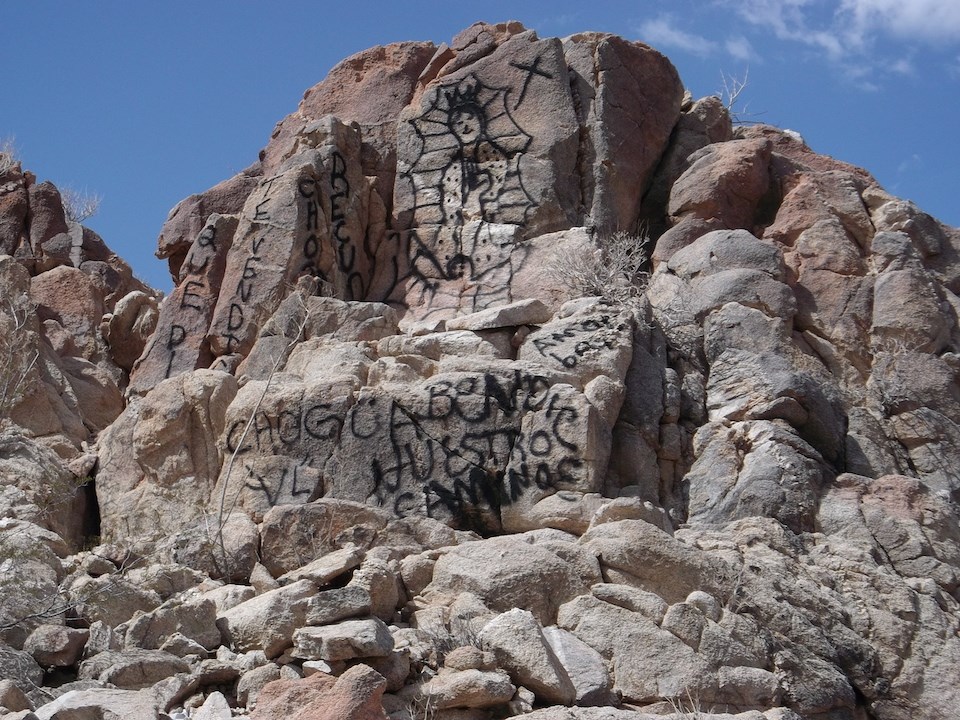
(466, 123)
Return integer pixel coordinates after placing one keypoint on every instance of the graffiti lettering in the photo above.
(177, 336)
(272, 487)
(346, 250)
(591, 334)
(460, 451)
(206, 239)
(188, 287)
(307, 189)
(278, 432)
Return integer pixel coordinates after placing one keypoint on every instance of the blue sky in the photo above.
(144, 103)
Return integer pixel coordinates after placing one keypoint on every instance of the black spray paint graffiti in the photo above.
(309, 238)
(466, 178)
(246, 284)
(344, 246)
(570, 344)
(194, 290)
(463, 450)
(291, 483)
(459, 448)
(307, 192)
(281, 432)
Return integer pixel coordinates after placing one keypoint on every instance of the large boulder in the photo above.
(161, 457)
(516, 572)
(355, 694)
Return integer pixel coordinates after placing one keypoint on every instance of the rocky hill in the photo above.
(510, 380)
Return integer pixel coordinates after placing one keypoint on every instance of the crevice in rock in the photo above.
(91, 519)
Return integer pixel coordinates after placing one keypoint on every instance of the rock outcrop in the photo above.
(380, 455)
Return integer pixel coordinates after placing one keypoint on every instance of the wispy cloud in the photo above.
(740, 48)
(663, 32)
(919, 20)
(851, 33)
(914, 162)
(845, 27)
(902, 66)
(790, 20)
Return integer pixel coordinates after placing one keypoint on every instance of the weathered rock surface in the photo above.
(521, 649)
(101, 703)
(377, 455)
(268, 621)
(355, 694)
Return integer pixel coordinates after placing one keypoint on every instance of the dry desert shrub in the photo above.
(8, 155)
(78, 205)
(617, 271)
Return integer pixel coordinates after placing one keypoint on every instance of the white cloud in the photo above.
(925, 20)
(859, 75)
(790, 20)
(740, 49)
(663, 33)
(844, 27)
(902, 66)
(851, 33)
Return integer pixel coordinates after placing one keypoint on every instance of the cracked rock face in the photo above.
(380, 454)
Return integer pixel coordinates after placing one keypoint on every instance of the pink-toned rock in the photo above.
(14, 206)
(293, 535)
(47, 218)
(98, 398)
(72, 298)
(908, 308)
(725, 181)
(12, 697)
(792, 147)
(683, 233)
(196, 620)
(356, 695)
(132, 669)
(518, 642)
(369, 88)
(626, 121)
(189, 217)
(101, 703)
(652, 560)
(524, 147)
(812, 197)
(180, 342)
(701, 123)
(508, 573)
(468, 689)
(267, 622)
(901, 515)
(310, 219)
(129, 327)
(344, 640)
(160, 452)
